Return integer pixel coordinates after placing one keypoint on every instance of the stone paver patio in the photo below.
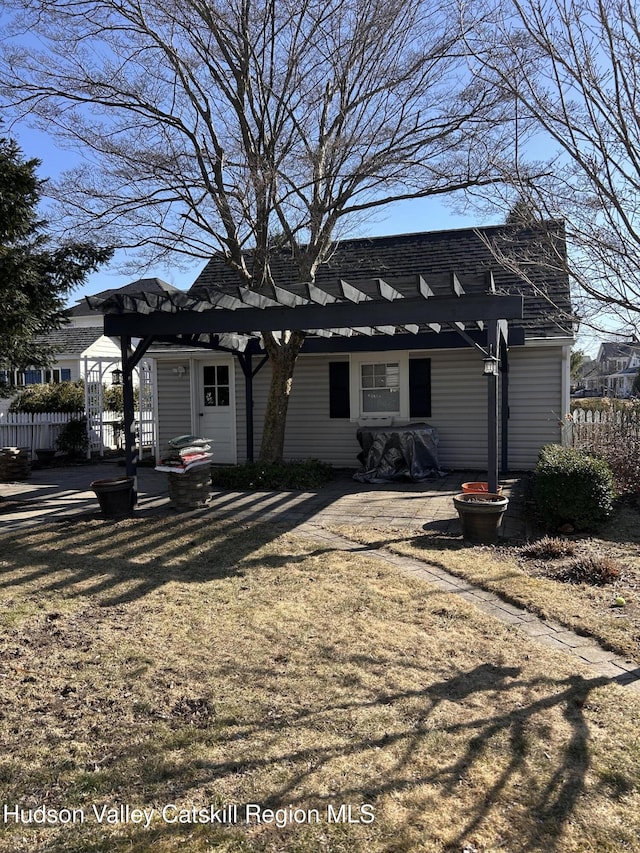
(58, 494)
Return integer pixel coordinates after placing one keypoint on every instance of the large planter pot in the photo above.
(481, 515)
(45, 455)
(115, 496)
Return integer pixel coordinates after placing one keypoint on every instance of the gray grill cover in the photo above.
(397, 453)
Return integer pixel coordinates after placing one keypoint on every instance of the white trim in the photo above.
(356, 360)
(546, 342)
(211, 357)
(156, 415)
(194, 393)
(566, 380)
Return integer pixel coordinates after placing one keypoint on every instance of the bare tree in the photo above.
(211, 125)
(572, 70)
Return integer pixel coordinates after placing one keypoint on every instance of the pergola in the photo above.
(378, 315)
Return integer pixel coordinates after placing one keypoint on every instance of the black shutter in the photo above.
(420, 387)
(339, 398)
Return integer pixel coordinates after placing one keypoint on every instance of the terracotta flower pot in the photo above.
(480, 515)
(479, 487)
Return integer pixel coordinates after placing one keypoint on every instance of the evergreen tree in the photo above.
(35, 278)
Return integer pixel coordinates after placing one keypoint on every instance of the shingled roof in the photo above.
(71, 340)
(616, 349)
(434, 256)
(140, 285)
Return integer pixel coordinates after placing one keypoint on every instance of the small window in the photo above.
(216, 385)
(52, 376)
(32, 377)
(380, 388)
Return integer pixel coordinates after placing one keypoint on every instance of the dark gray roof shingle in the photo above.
(71, 340)
(141, 285)
(434, 255)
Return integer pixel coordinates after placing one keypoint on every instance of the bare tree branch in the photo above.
(571, 67)
(213, 125)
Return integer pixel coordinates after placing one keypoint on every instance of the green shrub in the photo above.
(73, 440)
(113, 398)
(58, 397)
(572, 487)
(305, 474)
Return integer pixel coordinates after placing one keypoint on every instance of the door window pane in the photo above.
(216, 388)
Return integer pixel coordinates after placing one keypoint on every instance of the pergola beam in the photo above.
(437, 309)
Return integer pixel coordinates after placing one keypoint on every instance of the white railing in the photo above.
(591, 430)
(42, 430)
(32, 431)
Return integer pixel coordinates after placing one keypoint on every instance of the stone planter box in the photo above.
(191, 489)
(15, 464)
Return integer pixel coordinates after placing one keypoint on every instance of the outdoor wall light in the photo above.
(490, 366)
(179, 371)
(116, 377)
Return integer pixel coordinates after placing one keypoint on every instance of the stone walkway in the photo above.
(547, 632)
(60, 494)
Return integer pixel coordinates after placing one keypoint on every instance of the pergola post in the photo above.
(492, 409)
(504, 406)
(245, 361)
(129, 361)
(130, 453)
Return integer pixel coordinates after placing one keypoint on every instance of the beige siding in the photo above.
(459, 408)
(174, 402)
(310, 430)
(535, 403)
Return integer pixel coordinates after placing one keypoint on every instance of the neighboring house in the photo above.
(614, 371)
(76, 347)
(586, 381)
(420, 374)
(82, 344)
(81, 315)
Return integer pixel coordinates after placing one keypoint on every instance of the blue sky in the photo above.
(401, 218)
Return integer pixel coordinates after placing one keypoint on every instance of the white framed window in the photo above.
(379, 385)
(380, 388)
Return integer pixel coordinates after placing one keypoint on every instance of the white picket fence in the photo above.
(41, 431)
(592, 430)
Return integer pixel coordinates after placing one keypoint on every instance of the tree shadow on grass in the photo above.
(299, 770)
(121, 562)
(294, 749)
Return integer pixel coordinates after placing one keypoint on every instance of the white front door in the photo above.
(217, 408)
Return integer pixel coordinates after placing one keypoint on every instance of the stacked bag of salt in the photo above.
(186, 452)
